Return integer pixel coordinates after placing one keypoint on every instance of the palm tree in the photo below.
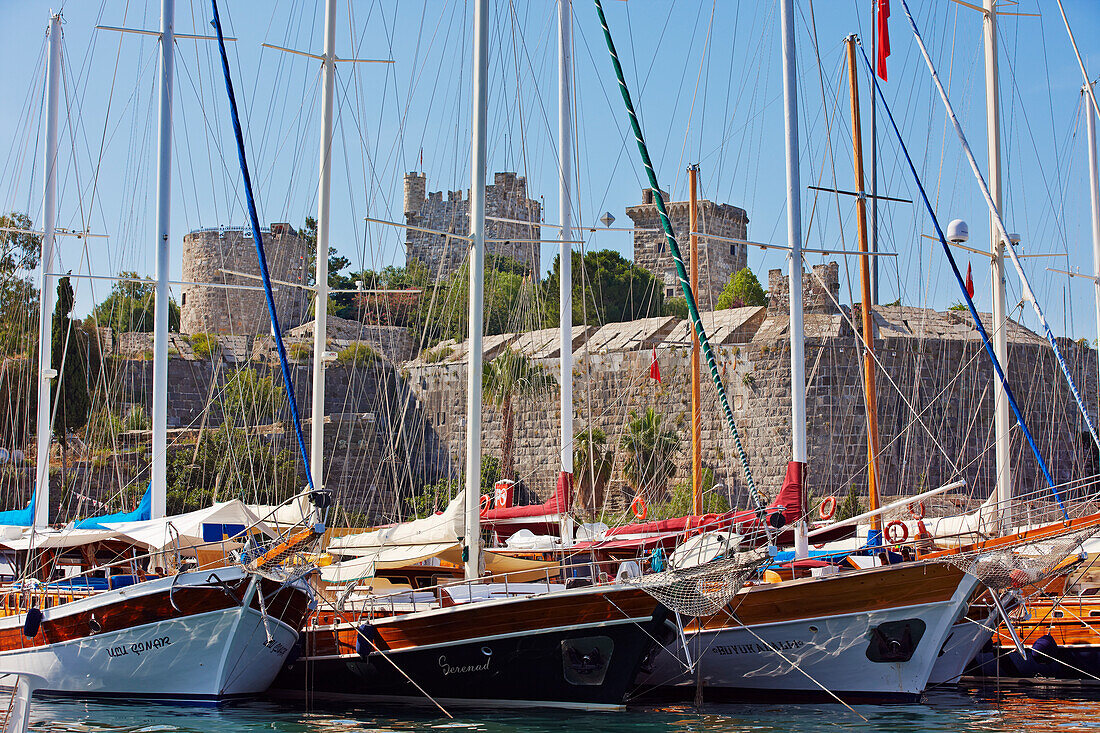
(592, 464)
(511, 375)
(650, 448)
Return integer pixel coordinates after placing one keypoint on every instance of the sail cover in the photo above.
(441, 529)
(143, 512)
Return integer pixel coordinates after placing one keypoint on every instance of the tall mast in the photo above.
(696, 409)
(160, 319)
(1094, 191)
(565, 249)
(46, 292)
(324, 191)
(873, 228)
(1002, 417)
(873, 474)
(472, 550)
(794, 238)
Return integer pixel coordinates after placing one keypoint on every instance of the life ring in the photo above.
(827, 508)
(897, 532)
(706, 522)
(916, 509)
(485, 501)
(638, 506)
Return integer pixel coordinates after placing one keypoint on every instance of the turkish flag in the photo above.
(654, 367)
(883, 36)
(969, 281)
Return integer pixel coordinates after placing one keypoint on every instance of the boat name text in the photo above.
(782, 646)
(449, 670)
(138, 647)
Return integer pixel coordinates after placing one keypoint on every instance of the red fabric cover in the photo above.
(883, 37)
(790, 497)
(558, 504)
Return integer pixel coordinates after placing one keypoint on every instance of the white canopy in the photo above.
(42, 539)
(439, 529)
(186, 530)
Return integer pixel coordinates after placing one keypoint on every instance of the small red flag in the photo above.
(969, 281)
(654, 367)
(883, 36)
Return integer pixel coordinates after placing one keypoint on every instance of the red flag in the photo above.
(654, 367)
(969, 281)
(883, 36)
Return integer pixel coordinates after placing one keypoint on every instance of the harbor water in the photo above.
(988, 709)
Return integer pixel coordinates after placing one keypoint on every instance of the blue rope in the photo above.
(258, 239)
(966, 294)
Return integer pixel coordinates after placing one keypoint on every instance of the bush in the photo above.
(251, 397)
(358, 355)
(299, 352)
(434, 356)
(136, 419)
(679, 502)
(102, 428)
(677, 307)
(205, 345)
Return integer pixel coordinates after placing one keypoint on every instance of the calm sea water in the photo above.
(977, 710)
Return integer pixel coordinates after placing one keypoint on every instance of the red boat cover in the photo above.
(558, 504)
(789, 497)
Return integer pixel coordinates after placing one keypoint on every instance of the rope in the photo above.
(681, 272)
(257, 238)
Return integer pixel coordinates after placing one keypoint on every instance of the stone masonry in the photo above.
(717, 260)
(506, 198)
(207, 256)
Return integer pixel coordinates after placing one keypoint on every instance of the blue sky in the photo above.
(705, 78)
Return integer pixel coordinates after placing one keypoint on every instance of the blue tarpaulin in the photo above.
(19, 517)
(144, 511)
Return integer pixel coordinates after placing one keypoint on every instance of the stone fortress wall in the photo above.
(717, 259)
(210, 255)
(506, 198)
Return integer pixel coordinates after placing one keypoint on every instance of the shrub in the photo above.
(136, 419)
(434, 356)
(205, 345)
(299, 352)
(358, 355)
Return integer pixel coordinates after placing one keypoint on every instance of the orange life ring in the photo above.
(916, 510)
(638, 506)
(827, 508)
(897, 532)
(705, 524)
(485, 501)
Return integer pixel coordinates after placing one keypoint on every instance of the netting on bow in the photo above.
(284, 559)
(1024, 564)
(703, 590)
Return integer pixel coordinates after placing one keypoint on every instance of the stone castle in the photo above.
(225, 257)
(717, 259)
(506, 204)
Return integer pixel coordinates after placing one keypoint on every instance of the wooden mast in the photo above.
(696, 408)
(873, 474)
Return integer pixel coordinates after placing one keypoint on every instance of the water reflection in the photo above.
(986, 709)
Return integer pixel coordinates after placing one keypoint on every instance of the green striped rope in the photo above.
(693, 309)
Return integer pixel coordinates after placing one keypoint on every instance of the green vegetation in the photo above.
(433, 497)
(136, 419)
(680, 503)
(299, 352)
(650, 449)
(358, 355)
(592, 465)
(436, 355)
(251, 398)
(957, 306)
(614, 289)
(131, 306)
(19, 253)
(512, 375)
(70, 388)
(677, 307)
(852, 506)
(742, 289)
(204, 345)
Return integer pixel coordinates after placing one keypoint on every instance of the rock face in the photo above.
(717, 259)
(210, 255)
(505, 198)
(935, 397)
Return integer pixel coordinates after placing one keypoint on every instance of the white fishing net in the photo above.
(1023, 564)
(702, 590)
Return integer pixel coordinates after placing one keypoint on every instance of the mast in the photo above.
(161, 306)
(46, 292)
(1094, 191)
(324, 195)
(1002, 417)
(696, 409)
(794, 238)
(565, 249)
(870, 392)
(873, 228)
(472, 550)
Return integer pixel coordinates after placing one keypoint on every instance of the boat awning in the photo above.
(397, 556)
(41, 540)
(444, 528)
(206, 526)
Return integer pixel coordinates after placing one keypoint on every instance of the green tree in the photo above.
(19, 252)
(592, 465)
(342, 305)
(742, 289)
(677, 307)
(70, 390)
(650, 449)
(508, 376)
(607, 287)
(681, 502)
(131, 306)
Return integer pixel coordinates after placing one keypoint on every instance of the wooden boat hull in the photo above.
(577, 649)
(1067, 632)
(864, 636)
(196, 637)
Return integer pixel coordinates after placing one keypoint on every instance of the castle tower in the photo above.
(506, 198)
(717, 260)
(211, 255)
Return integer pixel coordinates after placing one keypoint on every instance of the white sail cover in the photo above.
(191, 529)
(439, 530)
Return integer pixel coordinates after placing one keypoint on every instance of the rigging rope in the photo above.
(257, 238)
(962, 285)
(689, 296)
